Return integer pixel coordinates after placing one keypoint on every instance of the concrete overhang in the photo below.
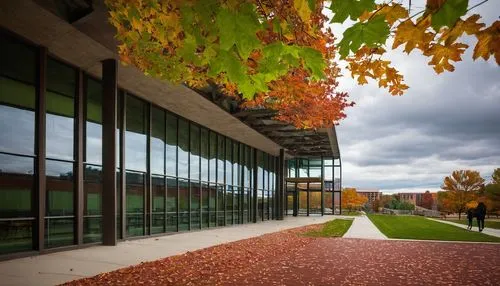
(90, 40)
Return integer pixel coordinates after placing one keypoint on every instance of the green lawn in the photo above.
(333, 228)
(487, 223)
(416, 227)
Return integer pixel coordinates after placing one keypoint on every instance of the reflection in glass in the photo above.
(16, 189)
(213, 157)
(236, 203)
(204, 155)
(229, 205)
(220, 205)
(92, 209)
(59, 215)
(183, 205)
(93, 152)
(194, 159)
(246, 205)
(291, 168)
(260, 170)
(134, 203)
(315, 168)
(205, 205)
(220, 159)
(183, 150)
(303, 168)
(195, 205)
(171, 204)
(158, 211)
(229, 163)
(212, 205)
(135, 135)
(236, 167)
(171, 160)
(157, 141)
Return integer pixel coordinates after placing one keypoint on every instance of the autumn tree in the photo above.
(351, 200)
(495, 177)
(427, 200)
(462, 186)
(282, 55)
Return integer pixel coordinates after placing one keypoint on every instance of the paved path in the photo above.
(55, 268)
(362, 227)
(486, 230)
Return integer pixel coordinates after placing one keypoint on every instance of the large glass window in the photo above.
(195, 205)
(17, 102)
(183, 150)
(93, 123)
(205, 205)
(135, 135)
(157, 141)
(59, 215)
(220, 159)
(194, 153)
(204, 154)
(171, 204)
(158, 204)
(213, 157)
(92, 204)
(16, 192)
(135, 189)
(212, 204)
(183, 205)
(220, 205)
(171, 160)
(229, 205)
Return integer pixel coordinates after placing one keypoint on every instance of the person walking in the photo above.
(470, 216)
(480, 215)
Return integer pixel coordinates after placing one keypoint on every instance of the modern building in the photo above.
(94, 152)
(370, 194)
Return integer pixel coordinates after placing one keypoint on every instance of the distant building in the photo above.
(370, 194)
(413, 198)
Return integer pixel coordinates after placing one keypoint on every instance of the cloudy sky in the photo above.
(443, 123)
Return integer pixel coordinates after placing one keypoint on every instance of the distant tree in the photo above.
(427, 200)
(351, 200)
(495, 177)
(492, 194)
(463, 186)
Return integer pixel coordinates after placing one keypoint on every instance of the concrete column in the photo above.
(110, 88)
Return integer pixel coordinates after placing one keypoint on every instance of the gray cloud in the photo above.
(444, 122)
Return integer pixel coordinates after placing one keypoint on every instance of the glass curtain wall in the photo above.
(177, 175)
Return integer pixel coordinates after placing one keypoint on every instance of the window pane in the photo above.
(229, 163)
(59, 214)
(291, 168)
(229, 205)
(158, 211)
(171, 160)
(17, 100)
(183, 205)
(60, 110)
(204, 155)
(212, 205)
(260, 170)
(303, 168)
(315, 168)
(17, 60)
(92, 210)
(94, 123)
(194, 159)
(235, 160)
(236, 202)
(205, 205)
(135, 135)
(213, 157)
(134, 203)
(16, 190)
(171, 204)
(195, 205)
(183, 151)
(158, 141)
(220, 159)
(220, 205)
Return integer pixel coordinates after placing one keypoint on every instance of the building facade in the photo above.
(92, 152)
(371, 195)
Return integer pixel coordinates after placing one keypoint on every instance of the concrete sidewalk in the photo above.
(60, 267)
(486, 230)
(362, 227)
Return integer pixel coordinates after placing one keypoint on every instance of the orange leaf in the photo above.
(488, 43)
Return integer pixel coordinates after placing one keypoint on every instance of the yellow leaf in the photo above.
(392, 13)
(488, 43)
(469, 26)
(303, 10)
(443, 54)
(414, 35)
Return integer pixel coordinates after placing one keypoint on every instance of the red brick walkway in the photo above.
(286, 258)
